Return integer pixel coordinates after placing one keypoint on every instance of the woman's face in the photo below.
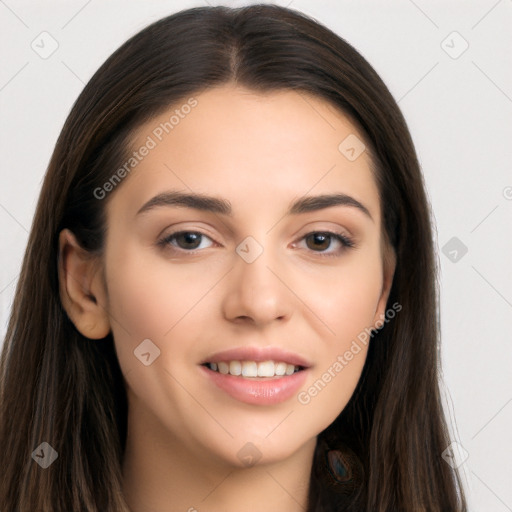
(250, 274)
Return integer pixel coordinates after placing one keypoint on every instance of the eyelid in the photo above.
(346, 241)
(164, 240)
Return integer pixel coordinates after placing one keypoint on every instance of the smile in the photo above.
(251, 369)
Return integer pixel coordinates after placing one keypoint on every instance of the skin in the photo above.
(260, 152)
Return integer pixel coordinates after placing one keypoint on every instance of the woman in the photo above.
(228, 299)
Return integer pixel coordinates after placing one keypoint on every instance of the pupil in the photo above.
(323, 240)
(190, 238)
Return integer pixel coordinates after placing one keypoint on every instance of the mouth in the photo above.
(254, 369)
(256, 375)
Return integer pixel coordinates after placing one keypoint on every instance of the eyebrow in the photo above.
(222, 206)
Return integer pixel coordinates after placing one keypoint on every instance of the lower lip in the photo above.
(272, 390)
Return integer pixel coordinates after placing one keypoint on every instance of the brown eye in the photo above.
(188, 240)
(184, 240)
(319, 241)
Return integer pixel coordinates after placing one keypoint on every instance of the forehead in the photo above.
(247, 146)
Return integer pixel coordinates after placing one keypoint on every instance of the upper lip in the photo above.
(258, 354)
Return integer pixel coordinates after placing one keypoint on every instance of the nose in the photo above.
(256, 292)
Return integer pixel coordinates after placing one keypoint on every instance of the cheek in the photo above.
(149, 299)
(346, 304)
(340, 357)
(332, 385)
(344, 298)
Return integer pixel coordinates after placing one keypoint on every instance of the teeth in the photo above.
(223, 367)
(280, 369)
(254, 369)
(266, 369)
(235, 368)
(289, 369)
(249, 369)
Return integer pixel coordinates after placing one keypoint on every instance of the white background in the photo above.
(459, 111)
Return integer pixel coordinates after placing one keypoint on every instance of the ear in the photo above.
(81, 288)
(389, 265)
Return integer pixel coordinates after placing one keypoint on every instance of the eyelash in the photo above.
(346, 242)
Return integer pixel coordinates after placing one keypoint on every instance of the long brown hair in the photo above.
(64, 389)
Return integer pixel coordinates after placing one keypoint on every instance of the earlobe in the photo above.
(81, 288)
(389, 265)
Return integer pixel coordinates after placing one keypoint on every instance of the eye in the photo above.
(317, 241)
(185, 240)
(320, 241)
